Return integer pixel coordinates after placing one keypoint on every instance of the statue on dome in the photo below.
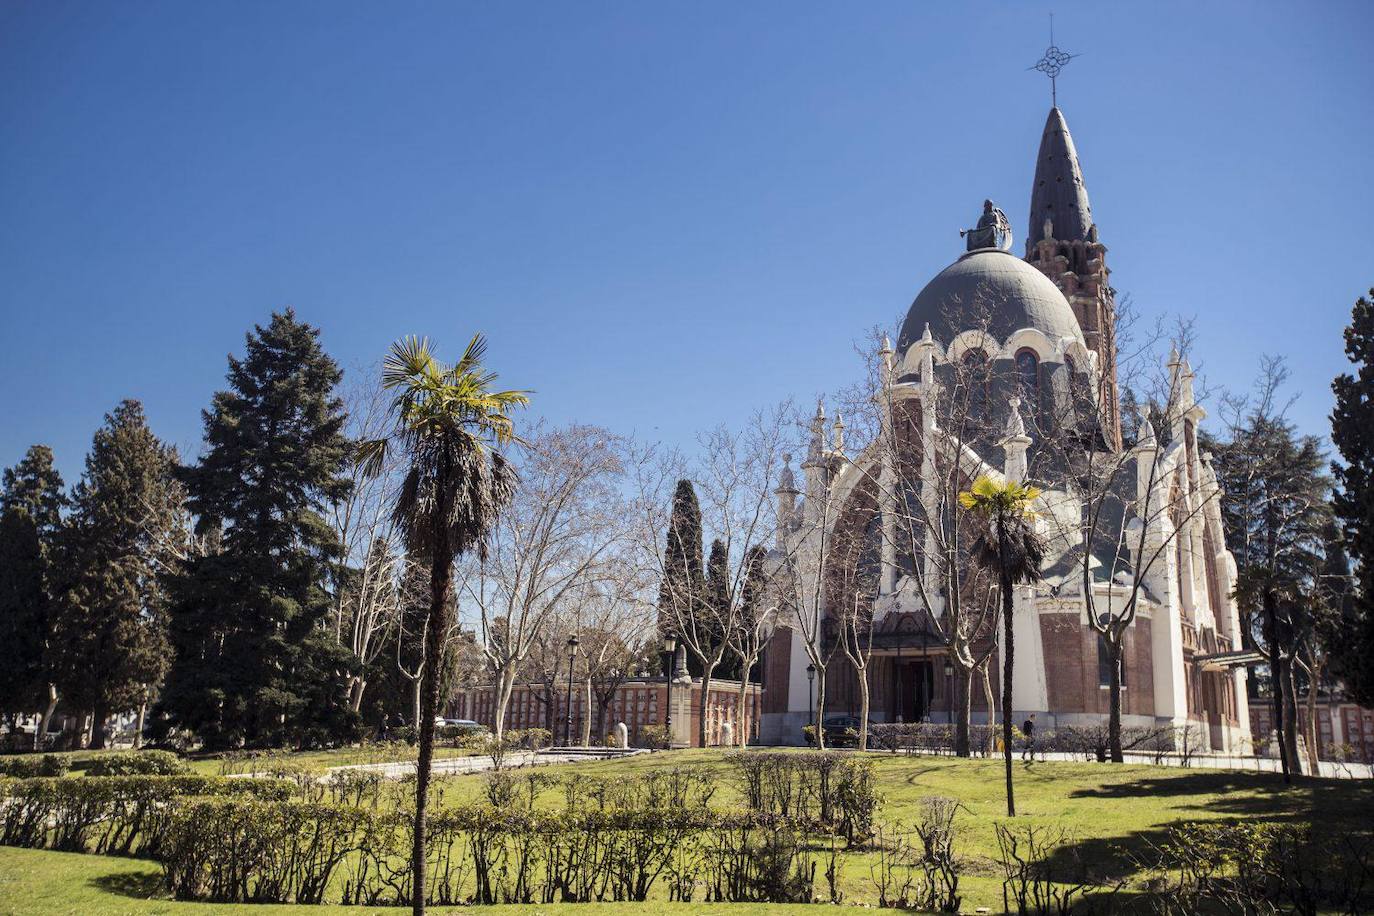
(993, 230)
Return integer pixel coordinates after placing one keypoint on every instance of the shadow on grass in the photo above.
(141, 885)
(1222, 793)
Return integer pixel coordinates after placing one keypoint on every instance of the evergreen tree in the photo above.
(31, 504)
(683, 589)
(110, 627)
(717, 607)
(1275, 507)
(1352, 431)
(254, 664)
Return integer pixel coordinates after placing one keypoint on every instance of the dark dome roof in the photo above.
(993, 288)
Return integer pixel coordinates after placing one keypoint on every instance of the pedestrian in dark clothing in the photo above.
(1028, 729)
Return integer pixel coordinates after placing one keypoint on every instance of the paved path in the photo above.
(1329, 769)
(478, 763)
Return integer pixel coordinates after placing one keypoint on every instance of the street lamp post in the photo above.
(810, 707)
(667, 656)
(572, 657)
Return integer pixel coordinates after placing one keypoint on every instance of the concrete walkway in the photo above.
(478, 763)
(1329, 769)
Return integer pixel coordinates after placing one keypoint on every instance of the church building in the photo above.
(1006, 367)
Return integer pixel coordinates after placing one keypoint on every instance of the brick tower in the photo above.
(1062, 242)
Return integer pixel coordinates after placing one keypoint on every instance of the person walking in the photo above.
(1028, 729)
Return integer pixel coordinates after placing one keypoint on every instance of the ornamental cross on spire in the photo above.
(1052, 64)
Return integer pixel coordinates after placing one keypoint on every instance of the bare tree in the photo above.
(734, 476)
(1121, 516)
(367, 576)
(371, 606)
(556, 538)
(753, 630)
(614, 619)
(920, 426)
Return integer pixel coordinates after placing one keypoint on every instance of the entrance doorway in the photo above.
(914, 688)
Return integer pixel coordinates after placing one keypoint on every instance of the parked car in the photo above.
(840, 731)
(461, 726)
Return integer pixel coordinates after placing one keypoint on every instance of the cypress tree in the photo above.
(683, 588)
(682, 593)
(110, 626)
(31, 504)
(1352, 432)
(254, 663)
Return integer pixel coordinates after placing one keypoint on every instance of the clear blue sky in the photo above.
(663, 215)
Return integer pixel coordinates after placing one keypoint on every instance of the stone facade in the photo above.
(1044, 328)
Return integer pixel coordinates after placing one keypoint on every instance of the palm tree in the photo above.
(1010, 546)
(447, 422)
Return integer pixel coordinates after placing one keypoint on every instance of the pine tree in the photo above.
(110, 626)
(1275, 506)
(254, 663)
(31, 504)
(1352, 432)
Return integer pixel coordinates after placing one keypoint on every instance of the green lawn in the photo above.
(1109, 810)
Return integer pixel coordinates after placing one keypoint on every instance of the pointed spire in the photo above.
(1058, 194)
(817, 444)
(838, 431)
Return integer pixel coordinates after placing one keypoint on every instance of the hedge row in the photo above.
(94, 763)
(248, 850)
(125, 815)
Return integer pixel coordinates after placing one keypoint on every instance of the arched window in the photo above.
(1028, 375)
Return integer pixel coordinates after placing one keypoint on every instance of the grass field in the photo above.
(1110, 811)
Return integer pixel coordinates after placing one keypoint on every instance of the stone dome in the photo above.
(988, 288)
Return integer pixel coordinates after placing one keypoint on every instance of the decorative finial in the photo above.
(1052, 64)
(787, 483)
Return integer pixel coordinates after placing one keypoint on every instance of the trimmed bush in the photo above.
(138, 763)
(124, 815)
(834, 789)
(245, 850)
(30, 766)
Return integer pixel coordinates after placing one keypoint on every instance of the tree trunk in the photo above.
(1007, 648)
(989, 742)
(863, 707)
(138, 728)
(440, 581)
(742, 708)
(355, 694)
(587, 715)
(505, 686)
(1276, 679)
(1290, 704)
(99, 719)
(1313, 751)
(416, 688)
(820, 708)
(1114, 702)
(963, 702)
(705, 703)
(45, 719)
